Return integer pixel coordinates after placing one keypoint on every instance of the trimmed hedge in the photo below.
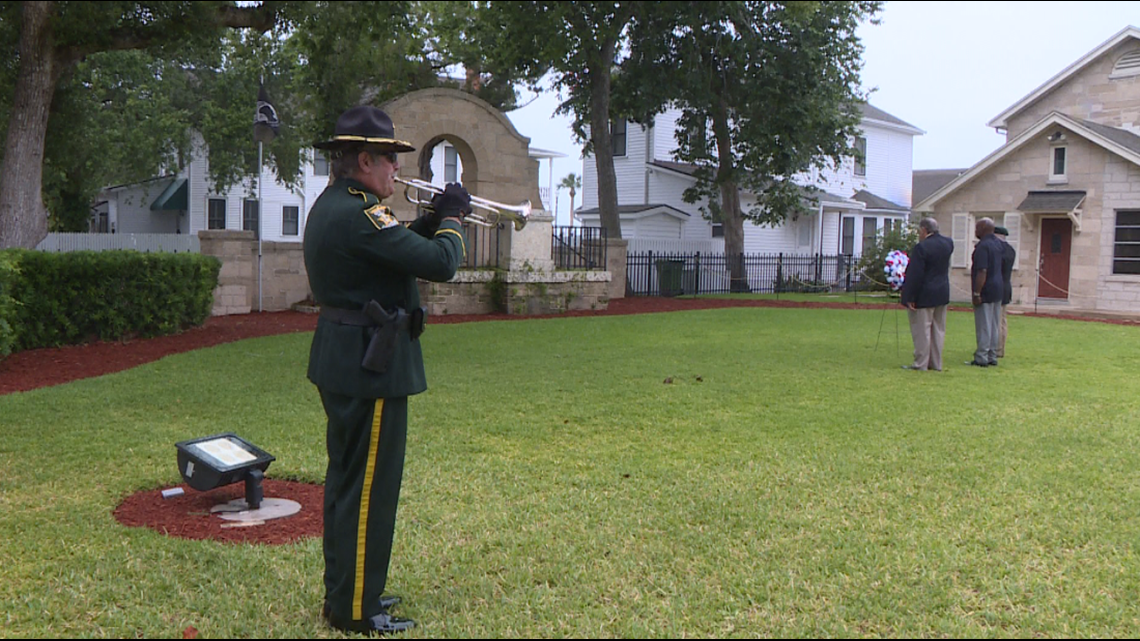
(9, 273)
(75, 297)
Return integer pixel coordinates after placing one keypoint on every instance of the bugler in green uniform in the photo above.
(365, 357)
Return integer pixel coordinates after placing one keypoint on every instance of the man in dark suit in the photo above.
(988, 291)
(926, 293)
(365, 357)
(1008, 260)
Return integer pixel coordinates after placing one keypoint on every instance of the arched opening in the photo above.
(446, 159)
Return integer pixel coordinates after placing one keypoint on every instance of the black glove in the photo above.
(454, 201)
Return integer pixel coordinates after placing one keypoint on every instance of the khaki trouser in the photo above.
(1004, 329)
(928, 330)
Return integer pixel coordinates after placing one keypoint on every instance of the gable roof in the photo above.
(1118, 141)
(924, 182)
(638, 211)
(1001, 121)
(874, 115)
(878, 203)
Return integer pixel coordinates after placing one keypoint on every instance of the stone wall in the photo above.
(283, 281)
(1092, 95)
(518, 292)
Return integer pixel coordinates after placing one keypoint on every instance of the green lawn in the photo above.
(791, 480)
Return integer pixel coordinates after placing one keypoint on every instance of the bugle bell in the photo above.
(517, 214)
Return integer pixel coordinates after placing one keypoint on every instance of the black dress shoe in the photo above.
(386, 603)
(382, 623)
(976, 364)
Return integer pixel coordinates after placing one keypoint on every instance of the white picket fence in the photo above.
(70, 242)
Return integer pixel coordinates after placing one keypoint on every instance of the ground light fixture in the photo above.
(213, 461)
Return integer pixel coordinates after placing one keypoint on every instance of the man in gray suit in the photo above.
(926, 293)
(988, 291)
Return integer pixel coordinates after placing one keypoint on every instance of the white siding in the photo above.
(664, 134)
(628, 169)
(890, 164)
(659, 227)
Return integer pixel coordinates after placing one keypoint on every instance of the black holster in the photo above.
(382, 335)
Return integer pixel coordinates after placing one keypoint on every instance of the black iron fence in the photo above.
(578, 248)
(482, 246)
(673, 274)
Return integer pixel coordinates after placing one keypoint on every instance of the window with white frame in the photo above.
(847, 238)
(860, 156)
(290, 220)
(1058, 167)
(617, 137)
(216, 213)
(870, 229)
(1126, 244)
(450, 164)
(250, 212)
(320, 163)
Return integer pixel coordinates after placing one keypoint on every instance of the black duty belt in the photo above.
(374, 315)
(347, 317)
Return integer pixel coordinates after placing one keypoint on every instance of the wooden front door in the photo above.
(1056, 241)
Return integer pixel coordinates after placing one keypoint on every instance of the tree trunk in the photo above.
(733, 218)
(23, 218)
(600, 137)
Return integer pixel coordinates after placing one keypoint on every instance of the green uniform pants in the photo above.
(366, 439)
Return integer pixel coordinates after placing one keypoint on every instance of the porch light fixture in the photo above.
(213, 461)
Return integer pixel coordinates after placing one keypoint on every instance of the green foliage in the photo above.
(140, 77)
(873, 262)
(73, 297)
(9, 274)
(768, 90)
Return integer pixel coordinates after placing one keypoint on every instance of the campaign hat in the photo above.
(365, 125)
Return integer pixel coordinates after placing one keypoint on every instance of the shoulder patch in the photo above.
(381, 217)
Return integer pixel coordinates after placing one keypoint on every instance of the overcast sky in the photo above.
(945, 67)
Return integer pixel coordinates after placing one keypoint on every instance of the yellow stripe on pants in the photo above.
(362, 524)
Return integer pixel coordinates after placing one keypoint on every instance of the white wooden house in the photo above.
(858, 199)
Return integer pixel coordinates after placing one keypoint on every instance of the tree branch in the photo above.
(260, 18)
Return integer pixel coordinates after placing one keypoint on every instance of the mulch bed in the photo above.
(188, 516)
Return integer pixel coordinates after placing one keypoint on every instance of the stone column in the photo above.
(530, 246)
(617, 251)
(237, 281)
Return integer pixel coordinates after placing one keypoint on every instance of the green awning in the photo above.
(173, 198)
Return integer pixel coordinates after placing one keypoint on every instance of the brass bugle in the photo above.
(517, 214)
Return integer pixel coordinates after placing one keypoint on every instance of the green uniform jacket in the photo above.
(356, 251)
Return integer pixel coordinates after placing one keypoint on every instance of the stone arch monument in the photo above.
(496, 166)
(496, 157)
